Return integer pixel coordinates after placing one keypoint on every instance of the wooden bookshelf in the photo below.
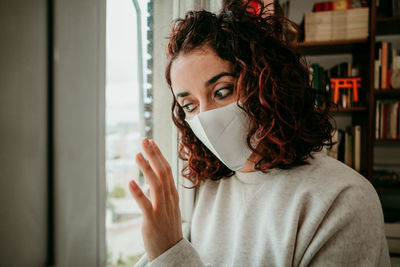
(387, 93)
(379, 26)
(387, 189)
(349, 109)
(391, 19)
(387, 141)
(364, 51)
(387, 25)
(331, 47)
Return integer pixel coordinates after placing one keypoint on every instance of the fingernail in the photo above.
(153, 144)
(146, 142)
(140, 156)
(132, 183)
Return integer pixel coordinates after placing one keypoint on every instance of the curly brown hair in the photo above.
(272, 82)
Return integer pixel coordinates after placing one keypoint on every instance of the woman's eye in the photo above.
(189, 107)
(224, 92)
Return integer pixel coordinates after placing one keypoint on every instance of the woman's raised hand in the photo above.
(161, 228)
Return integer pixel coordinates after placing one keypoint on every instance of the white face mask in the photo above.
(223, 131)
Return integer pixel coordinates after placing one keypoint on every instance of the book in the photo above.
(395, 8)
(341, 145)
(376, 74)
(387, 119)
(348, 156)
(381, 119)
(389, 64)
(337, 5)
(387, 70)
(377, 109)
(377, 60)
(388, 8)
(323, 6)
(398, 122)
(384, 65)
(393, 108)
(357, 147)
(341, 5)
(395, 73)
(336, 25)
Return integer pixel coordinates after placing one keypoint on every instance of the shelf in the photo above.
(387, 189)
(384, 93)
(349, 109)
(387, 141)
(387, 25)
(382, 19)
(362, 52)
(330, 47)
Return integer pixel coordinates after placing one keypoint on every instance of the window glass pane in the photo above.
(125, 122)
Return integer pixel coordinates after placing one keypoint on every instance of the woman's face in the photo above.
(202, 81)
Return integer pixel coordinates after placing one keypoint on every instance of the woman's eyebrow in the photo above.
(208, 83)
(183, 94)
(216, 78)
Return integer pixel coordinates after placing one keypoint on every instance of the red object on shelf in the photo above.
(323, 6)
(345, 83)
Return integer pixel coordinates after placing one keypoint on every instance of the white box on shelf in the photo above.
(337, 25)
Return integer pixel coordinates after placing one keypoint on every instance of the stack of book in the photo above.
(388, 8)
(387, 119)
(321, 82)
(386, 178)
(392, 232)
(339, 5)
(387, 59)
(337, 25)
(348, 146)
(392, 227)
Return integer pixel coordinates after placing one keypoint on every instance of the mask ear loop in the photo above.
(253, 141)
(237, 96)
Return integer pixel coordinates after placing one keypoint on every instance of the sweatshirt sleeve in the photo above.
(351, 233)
(181, 254)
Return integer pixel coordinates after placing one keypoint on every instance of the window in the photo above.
(130, 114)
(128, 120)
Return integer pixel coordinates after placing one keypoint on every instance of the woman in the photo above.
(251, 138)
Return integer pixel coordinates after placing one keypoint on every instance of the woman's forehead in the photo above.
(195, 68)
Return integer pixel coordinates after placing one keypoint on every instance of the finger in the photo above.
(143, 202)
(166, 177)
(163, 170)
(156, 188)
(164, 161)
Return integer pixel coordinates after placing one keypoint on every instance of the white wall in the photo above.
(77, 225)
(79, 132)
(23, 133)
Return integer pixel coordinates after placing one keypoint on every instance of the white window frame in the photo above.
(162, 116)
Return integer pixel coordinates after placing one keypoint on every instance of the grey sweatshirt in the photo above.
(322, 214)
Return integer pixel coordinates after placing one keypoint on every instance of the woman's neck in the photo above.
(250, 164)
